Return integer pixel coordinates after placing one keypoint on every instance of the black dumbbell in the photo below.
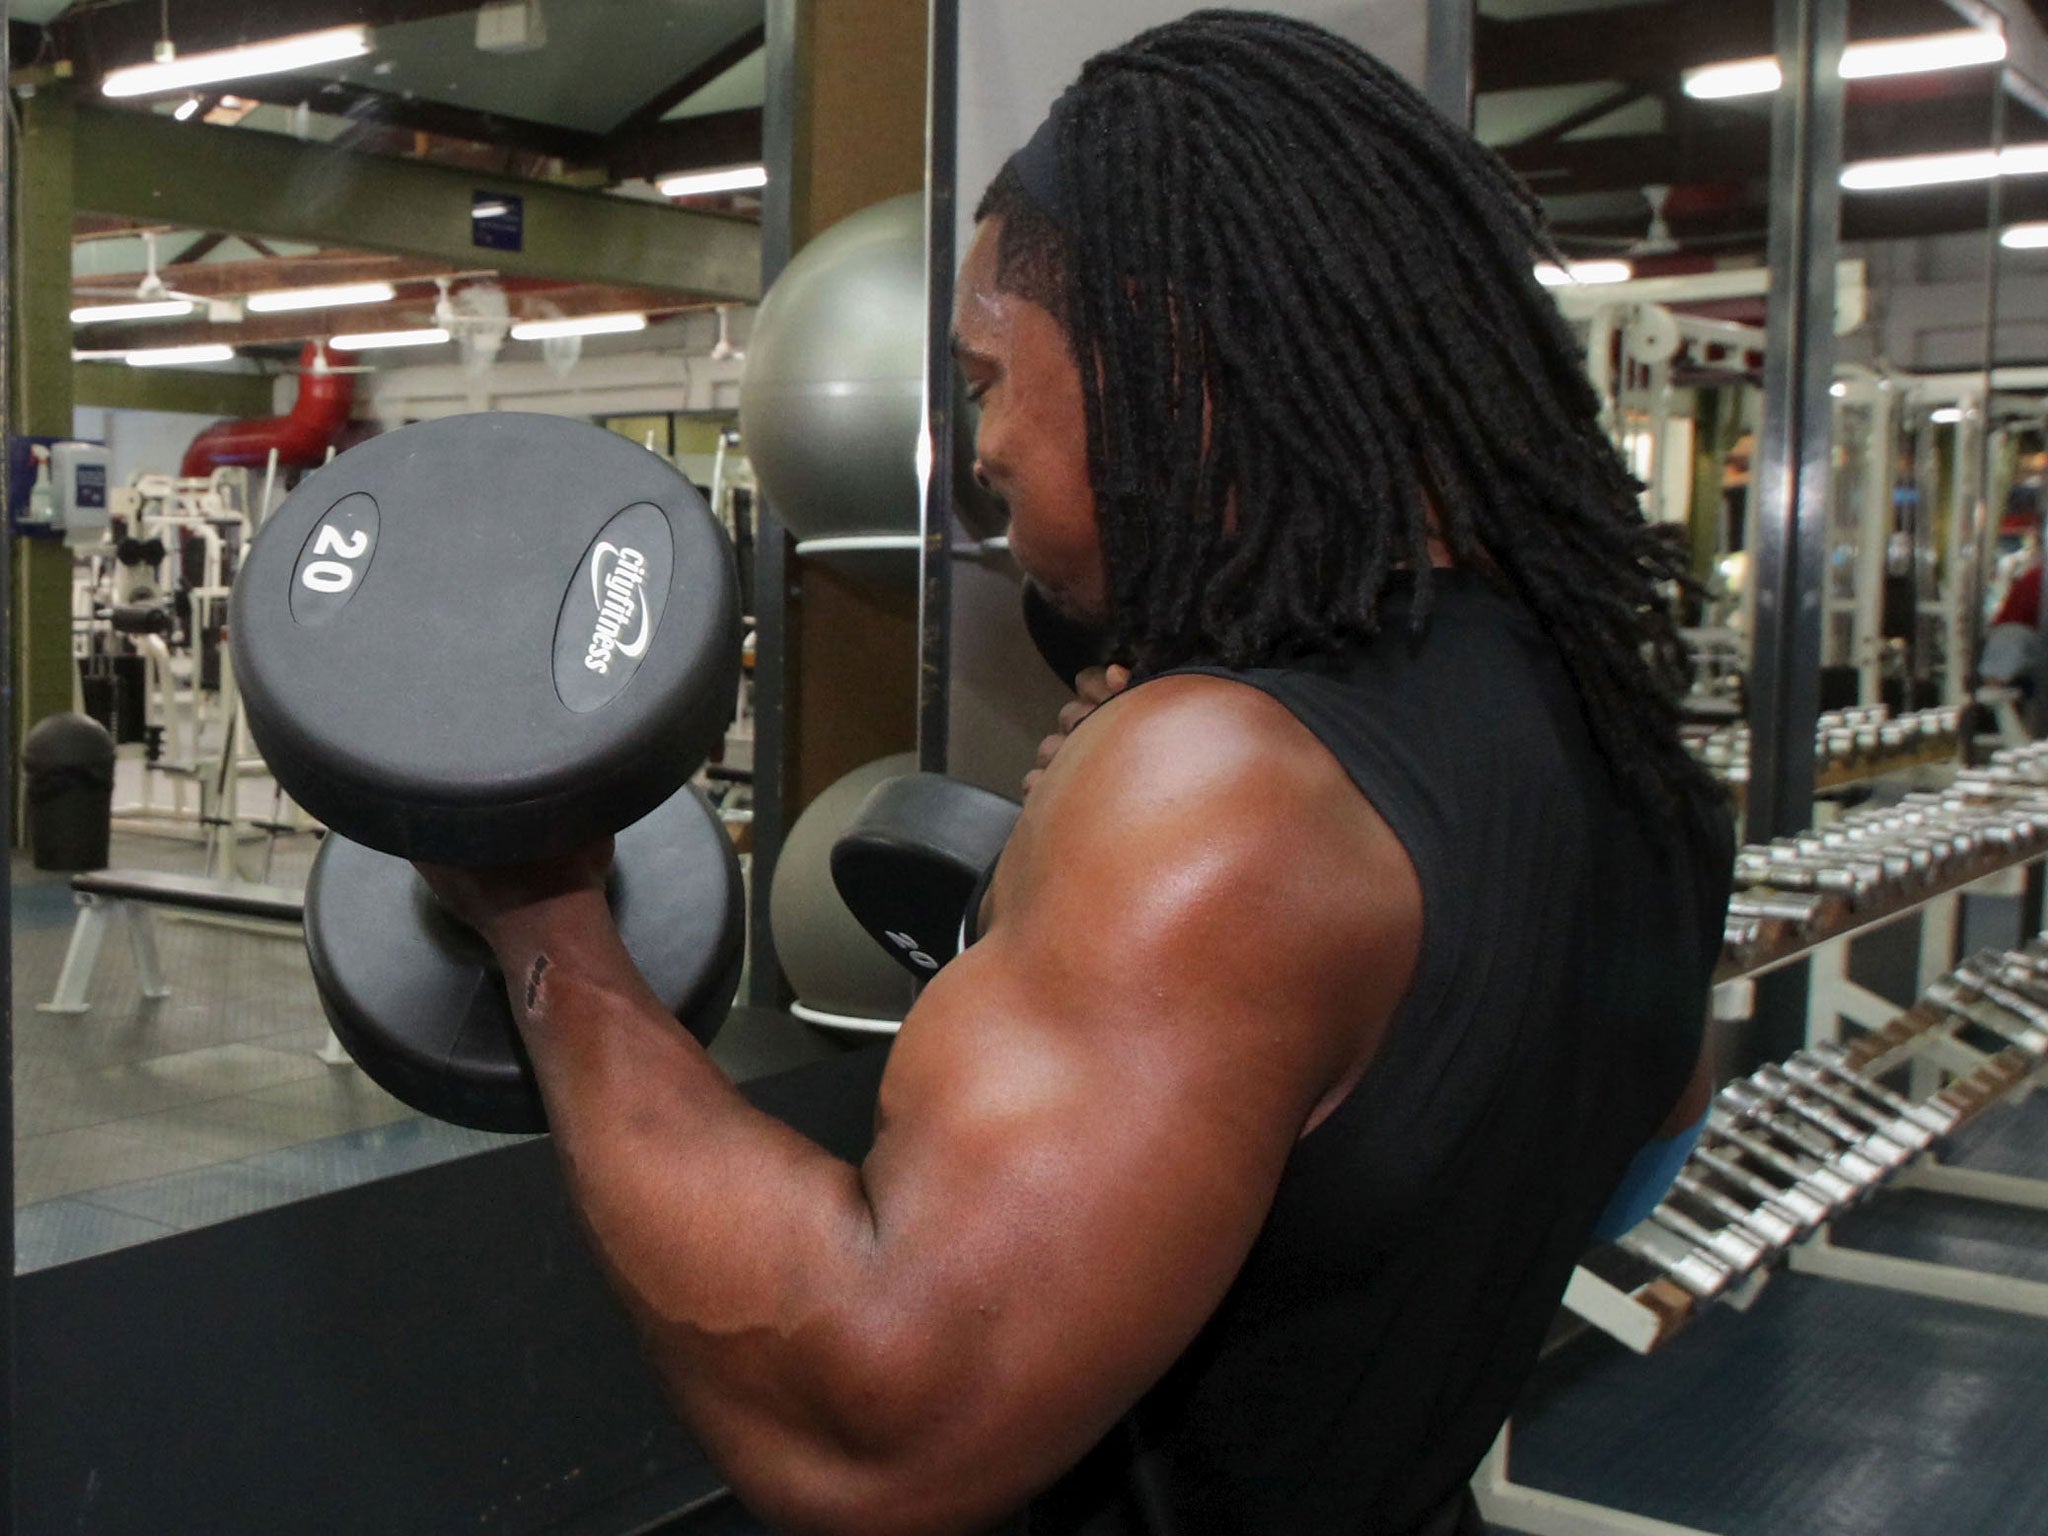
(920, 848)
(482, 641)
(912, 861)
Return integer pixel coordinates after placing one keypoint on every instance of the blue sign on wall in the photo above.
(497, 221)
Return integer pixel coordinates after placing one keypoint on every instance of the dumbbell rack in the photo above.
(1790, 1147)
(1850, 746)
(1794, 1145)
(1785, 1151)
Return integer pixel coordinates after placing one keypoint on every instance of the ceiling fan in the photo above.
(478, 316)
(1657, 240)
(154, 290)
(723, 350)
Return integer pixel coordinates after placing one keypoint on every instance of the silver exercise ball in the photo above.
(832, 399)
(835, 967)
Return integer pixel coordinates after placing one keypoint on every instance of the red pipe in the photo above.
(317, 421)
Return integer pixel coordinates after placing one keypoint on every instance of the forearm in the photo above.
(748, 1255)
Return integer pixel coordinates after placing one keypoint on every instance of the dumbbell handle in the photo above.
(1770, 1223)
(1700, 1273)
(1870, 1141)
(1845, 1161)
(1730, 1244)
(1893, 1126)
(1805, 1206)
(1823, 1182)
(1826, 1062)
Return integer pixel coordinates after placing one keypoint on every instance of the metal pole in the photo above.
(1794, 453)
(935, 558)
(1447, 69)
(766, 987)
(1795, 444)
(7, 425)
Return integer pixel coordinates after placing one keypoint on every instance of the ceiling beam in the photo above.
(1659, 41)
(1939, 210)
(658, 106)
(1606, 105)
(322, 269)
(1631, 42)
(387, 109)
(143, 165)
(689, 144)
(115, 386)
(1740, 151)
(412, 313)
(1867, 217)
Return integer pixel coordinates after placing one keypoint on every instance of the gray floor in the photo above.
(141, 1118)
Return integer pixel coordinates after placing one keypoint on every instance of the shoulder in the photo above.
(1193, 834)
(1195, 744)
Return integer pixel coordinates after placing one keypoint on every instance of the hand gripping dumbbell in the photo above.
(483, 641)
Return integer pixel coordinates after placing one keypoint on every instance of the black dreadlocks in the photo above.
(1312, 308)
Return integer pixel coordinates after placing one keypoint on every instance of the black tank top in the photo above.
(1422, 1235)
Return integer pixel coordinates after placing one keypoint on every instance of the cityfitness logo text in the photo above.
(618, 580)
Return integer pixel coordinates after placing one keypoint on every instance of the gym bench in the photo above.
(130, 894)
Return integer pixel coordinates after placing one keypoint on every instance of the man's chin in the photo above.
(1070, 604)
(1069, 641)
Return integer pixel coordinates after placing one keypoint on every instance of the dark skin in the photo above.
(1198, 935)
(1083, 1121)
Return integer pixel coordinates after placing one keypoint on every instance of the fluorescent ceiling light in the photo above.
(1860, 61)
(1922, 55)
(187, 109)
(1838, 389)
(171, 357)
(369, 340)
(1939, 170)
(1947, 416)
(1583, 273)
(321, 298)
(157, 309)
(1739, 77)
(300, 52)
(735, 178)
(588, 325)
(2025, 237)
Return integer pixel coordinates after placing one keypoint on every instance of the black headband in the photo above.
(1037, 166)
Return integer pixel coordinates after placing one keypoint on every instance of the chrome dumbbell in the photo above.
(1847, 1098)
(1986, 1005)
(1842, 1157)
(1770, 1223)
(1846, 1126)
(1786, 1196)
(1788, 1160)
(1698, 1271)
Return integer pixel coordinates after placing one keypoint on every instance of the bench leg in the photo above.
(149, 967)
(79, 959)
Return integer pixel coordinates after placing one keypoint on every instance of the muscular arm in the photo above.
(1200, 932)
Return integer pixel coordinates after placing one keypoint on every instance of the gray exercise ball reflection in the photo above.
(832, 398)
(829, 958)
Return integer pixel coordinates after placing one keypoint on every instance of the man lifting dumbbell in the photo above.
(483, 641)
(1336, 968)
